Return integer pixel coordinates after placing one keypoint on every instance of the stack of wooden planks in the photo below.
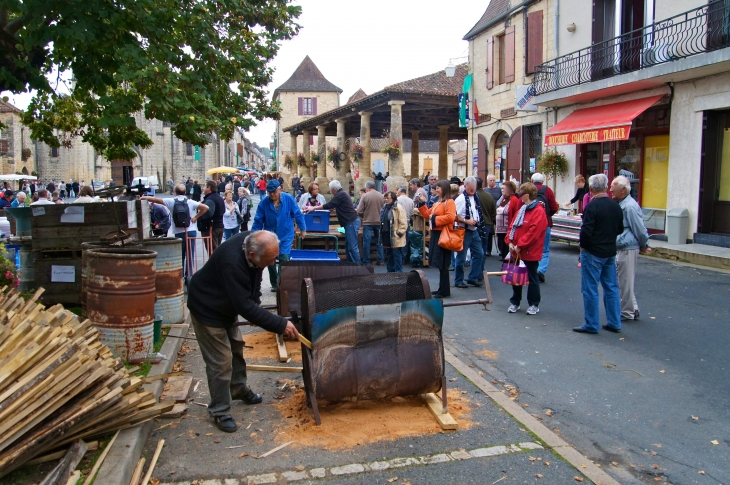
(58, 383)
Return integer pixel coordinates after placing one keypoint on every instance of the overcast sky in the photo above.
(368, 44)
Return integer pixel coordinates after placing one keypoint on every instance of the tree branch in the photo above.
(15, 25)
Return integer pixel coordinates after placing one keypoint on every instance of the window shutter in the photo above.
(314, 106)
(482, 169)
(311, 139)
(534, 41)
(300, 106)
(490, 63)
(509, 55)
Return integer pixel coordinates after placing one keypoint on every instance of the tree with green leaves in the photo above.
(201, 65)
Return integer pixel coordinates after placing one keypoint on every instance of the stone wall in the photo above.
(502, 96)
(18, 137)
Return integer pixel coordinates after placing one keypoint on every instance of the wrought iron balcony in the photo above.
(697, 31)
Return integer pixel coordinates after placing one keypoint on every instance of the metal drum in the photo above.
(169, 279)
(373, 337)
(120, 299)
(26, 273)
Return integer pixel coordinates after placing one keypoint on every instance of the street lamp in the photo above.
(450, 70)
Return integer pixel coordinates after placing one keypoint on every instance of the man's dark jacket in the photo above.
(220, 209)
(227, 286)
(197, 192)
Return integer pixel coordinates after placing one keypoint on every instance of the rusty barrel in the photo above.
(120, 299)
(85, 248)
(169, 279)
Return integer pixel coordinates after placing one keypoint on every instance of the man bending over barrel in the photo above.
(238, 264)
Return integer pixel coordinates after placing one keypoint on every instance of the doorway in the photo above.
(501, 140)
(715, 180)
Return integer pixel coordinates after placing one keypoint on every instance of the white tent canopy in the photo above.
(15, 176)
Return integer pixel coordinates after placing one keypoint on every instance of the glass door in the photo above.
(628, 163)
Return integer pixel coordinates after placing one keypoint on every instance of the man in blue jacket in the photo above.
(277, 213)
(633, 240)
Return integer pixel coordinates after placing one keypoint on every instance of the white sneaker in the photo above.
(533, 310)
(513, 309)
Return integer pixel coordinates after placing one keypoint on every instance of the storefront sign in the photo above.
(524, 94)
(589, 136)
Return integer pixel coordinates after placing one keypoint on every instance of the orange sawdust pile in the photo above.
(346, 425)
(490, 354)
(264, 347)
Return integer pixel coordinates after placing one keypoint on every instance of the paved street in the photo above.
(626, 401)
(628, 398)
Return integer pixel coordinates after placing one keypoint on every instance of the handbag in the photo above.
(516, 273)
(452, 239)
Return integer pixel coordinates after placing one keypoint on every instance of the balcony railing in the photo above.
(697, 31)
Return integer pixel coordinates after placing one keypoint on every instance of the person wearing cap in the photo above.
(7, 199)
(276, 213)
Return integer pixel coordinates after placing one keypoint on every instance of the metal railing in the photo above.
(697, 31)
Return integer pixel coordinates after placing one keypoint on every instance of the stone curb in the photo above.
(559, 446)
(119, 464)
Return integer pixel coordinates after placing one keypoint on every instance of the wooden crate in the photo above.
(53, 227)
(66, 293)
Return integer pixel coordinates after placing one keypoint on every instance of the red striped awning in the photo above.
(600, 123)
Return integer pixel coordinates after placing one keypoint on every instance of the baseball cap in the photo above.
(272, 185)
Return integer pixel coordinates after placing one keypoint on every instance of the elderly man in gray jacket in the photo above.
(633, 240)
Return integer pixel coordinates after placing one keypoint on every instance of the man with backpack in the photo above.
(547, 197)
(185, 214)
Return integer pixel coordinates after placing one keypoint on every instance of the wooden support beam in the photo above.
(283, 354)
(273, 368)
(445, 420)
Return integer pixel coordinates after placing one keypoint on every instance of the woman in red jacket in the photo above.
(442, 214)
(526, 237)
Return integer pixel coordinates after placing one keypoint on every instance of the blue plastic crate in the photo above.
(313, 255)
(317, 221)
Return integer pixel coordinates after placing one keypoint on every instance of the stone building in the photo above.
(642, 89)
(505, 47)
(17, 153)
(304, 95)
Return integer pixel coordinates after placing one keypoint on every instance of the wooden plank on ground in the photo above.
(177, 389)
(273, 368)
(283, 354)
(445, 420)
(177, 411)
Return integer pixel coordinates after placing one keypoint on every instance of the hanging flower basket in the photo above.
(301, 160)
(25, 154)
(288, 162)
(356, 152)
(314, 158)
(552, 163)
(393, 148)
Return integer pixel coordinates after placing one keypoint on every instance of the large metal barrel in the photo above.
(26, 273)
(120, 299)
(169, 279)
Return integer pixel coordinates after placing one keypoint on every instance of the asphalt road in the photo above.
(628, 398)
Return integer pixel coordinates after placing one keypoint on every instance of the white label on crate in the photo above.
(73, 214)
(38, 211)
(63, 274)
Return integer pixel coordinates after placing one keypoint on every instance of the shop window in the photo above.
(628, 163)
(533, 149)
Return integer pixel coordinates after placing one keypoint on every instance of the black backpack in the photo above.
(542, 197)
(181, 213)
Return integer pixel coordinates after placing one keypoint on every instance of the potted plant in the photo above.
(301, 160)
(356, 151)
(392, 148)
(552, 163)
(288, 162)
(8, 272)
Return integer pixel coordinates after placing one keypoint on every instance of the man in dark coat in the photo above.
(227, 286)
(197, 191)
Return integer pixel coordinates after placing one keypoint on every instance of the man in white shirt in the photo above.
(468, 214)
(196, 209)
(43, 198)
